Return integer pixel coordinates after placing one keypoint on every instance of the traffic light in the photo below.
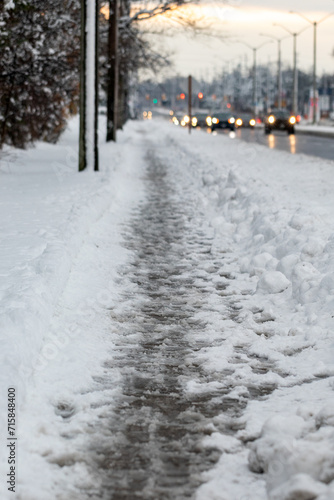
(155, 101)
(200, 95)
(182, 96)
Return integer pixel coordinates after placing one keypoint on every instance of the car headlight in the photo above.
(239, 122)
(271, 119)
(194, 121)
(231, 120)
(215, 120)
(208, 121)
(252, 122)
(183, 123)
(292, 120)
(186, 119)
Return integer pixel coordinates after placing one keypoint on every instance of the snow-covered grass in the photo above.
(50, 215)
(271, 216)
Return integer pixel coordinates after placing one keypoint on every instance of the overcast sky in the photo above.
(245, 20)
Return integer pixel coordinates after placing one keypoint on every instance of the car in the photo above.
(245, 120)
(181, 119)
(185, 119)
(201, 119)
(280, 119)
(221, 120)
(147, 115)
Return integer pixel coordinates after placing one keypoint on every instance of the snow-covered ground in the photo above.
(270, 329)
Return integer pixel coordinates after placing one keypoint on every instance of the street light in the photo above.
(315, 24)
(226, 77)
(279, 68)
(254, 49)
(295, 71)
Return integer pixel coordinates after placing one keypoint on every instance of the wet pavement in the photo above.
(300, 143)
(156, 424)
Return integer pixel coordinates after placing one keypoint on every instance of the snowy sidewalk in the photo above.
(240, 263)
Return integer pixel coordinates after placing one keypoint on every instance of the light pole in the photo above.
(254, 49)
(315, 24)
(279, 67)
(226, 76)
(295, 71)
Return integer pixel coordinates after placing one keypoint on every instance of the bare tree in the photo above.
(128, 51)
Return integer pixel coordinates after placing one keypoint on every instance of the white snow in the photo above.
(271, 218)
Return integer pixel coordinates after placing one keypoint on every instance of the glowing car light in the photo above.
(208, 121)
(292, 120)
(239, 122)
(252, 122)
(231, 120)
(186, 119)
(215, 120)
(271, 119)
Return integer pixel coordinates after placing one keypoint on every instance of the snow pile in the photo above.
(272, 216)
(45, 219)
(296, 453)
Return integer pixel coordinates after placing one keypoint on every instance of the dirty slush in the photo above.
(157, 426)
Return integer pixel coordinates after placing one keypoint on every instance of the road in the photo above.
(322, 147)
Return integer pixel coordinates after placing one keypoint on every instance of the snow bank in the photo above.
(272, 216)
(296, 453)
(45, 217)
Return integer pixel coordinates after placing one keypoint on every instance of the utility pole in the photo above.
(254, 82)
(295, 76)
(295, 68)
(112, 92)
(96, 103)
(314, 73)
(83, 92)
(279, 75)
(88, 133)
(189, 101)
(279, 67)
(254, 49)
(315, 24)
